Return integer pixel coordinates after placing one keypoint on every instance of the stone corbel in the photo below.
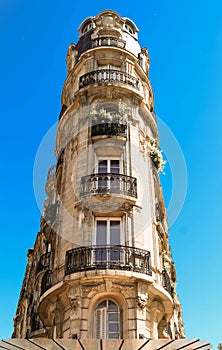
(74, 302)
(142, 301)
(142, 297)
(74, 299)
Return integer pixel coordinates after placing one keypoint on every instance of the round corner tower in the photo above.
(101, 266)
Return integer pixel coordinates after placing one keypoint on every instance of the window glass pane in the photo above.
(102, 166)
(113, 327)
(102, 304)
(113, 316)
(114, 232)
(112, 305)
(101, 232)
(114, 166)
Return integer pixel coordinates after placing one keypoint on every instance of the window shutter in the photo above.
(101, 323)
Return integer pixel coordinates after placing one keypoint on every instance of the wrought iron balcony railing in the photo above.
(102, 76)
(108, 129)
(108, 183)
(108, 257)
(167, 282)
(46, 281)
(44, 262)
(108, 41)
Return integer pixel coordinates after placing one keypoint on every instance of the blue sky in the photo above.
(184, 41)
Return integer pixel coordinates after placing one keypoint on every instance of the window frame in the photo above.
(106, 312)
(108, 219)
(108, 159)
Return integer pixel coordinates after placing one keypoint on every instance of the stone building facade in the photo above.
(101, 266)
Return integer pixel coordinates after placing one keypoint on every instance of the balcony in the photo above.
(46, 281)
(44, 262)
(108, 183)
(167, 282)
(102, 76)
(108, 41)
(108, 129)
(108, 257)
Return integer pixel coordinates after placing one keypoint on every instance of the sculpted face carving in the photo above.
(141, 302)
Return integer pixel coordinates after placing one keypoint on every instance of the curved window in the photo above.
(107, 320)
(129, 28)
(86, 27)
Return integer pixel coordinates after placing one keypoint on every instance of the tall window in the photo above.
(110, 182)
(108, 232)
(107, 320)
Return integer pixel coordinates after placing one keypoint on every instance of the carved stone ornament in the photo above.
(144, 143)
(93, 287)
(74, 302)
(128, 290)
(74, 298)
(127, 208)
(141, 302)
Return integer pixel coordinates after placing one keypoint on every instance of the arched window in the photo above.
(107, 320)
(129, 28)
(86, 27)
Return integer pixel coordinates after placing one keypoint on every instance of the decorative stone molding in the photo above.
(74, 300)
(127, 208)
(143, 142)
(71, 57)
(93, 288)
(108, 22)
(128, 290)
(141, 302)
(74, 147)
(142, 297)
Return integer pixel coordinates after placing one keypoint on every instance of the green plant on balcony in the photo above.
(112, 121)
(156, 155)
(102, 116)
